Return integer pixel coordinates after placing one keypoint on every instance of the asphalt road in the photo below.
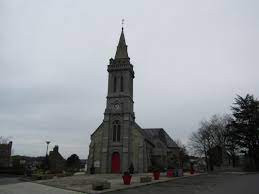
(204, 184)
(9, 179)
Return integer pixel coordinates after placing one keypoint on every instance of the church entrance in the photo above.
(116, 162)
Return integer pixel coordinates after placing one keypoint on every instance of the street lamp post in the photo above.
(46, 158)
(47, 142)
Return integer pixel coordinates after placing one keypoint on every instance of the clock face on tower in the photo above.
(116, 106)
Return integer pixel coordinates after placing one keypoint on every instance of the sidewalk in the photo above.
(32, 188)
(83, 183)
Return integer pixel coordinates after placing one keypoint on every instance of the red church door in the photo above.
(116, 162)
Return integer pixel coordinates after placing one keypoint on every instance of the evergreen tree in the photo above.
(73, 163)
(246, 125)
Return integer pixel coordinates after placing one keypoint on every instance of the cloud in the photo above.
(190, 60)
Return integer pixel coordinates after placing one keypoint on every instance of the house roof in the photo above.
(161, 134)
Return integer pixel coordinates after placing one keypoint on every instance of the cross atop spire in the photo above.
(122, 52)
(122, 23)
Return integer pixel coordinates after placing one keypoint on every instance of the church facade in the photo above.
(119, 141)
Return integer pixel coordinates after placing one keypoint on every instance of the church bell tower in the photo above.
(119, 113)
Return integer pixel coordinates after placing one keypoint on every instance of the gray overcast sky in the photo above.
(190, 59)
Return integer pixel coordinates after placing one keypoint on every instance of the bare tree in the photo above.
(183, 154)
(199, 144)
(212, 133)
(4, 140)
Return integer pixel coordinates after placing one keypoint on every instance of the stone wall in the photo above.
(137, 146)
(159, 154)
(173, 157)
(95, 150)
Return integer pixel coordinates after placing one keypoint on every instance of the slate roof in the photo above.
(146, 135)
(161, 134)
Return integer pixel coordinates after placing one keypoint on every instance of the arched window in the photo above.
(121, 84)
(116, 131)
(114, 84)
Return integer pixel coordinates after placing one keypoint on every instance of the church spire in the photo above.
(122, 52)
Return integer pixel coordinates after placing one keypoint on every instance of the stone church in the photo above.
(119, 141)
